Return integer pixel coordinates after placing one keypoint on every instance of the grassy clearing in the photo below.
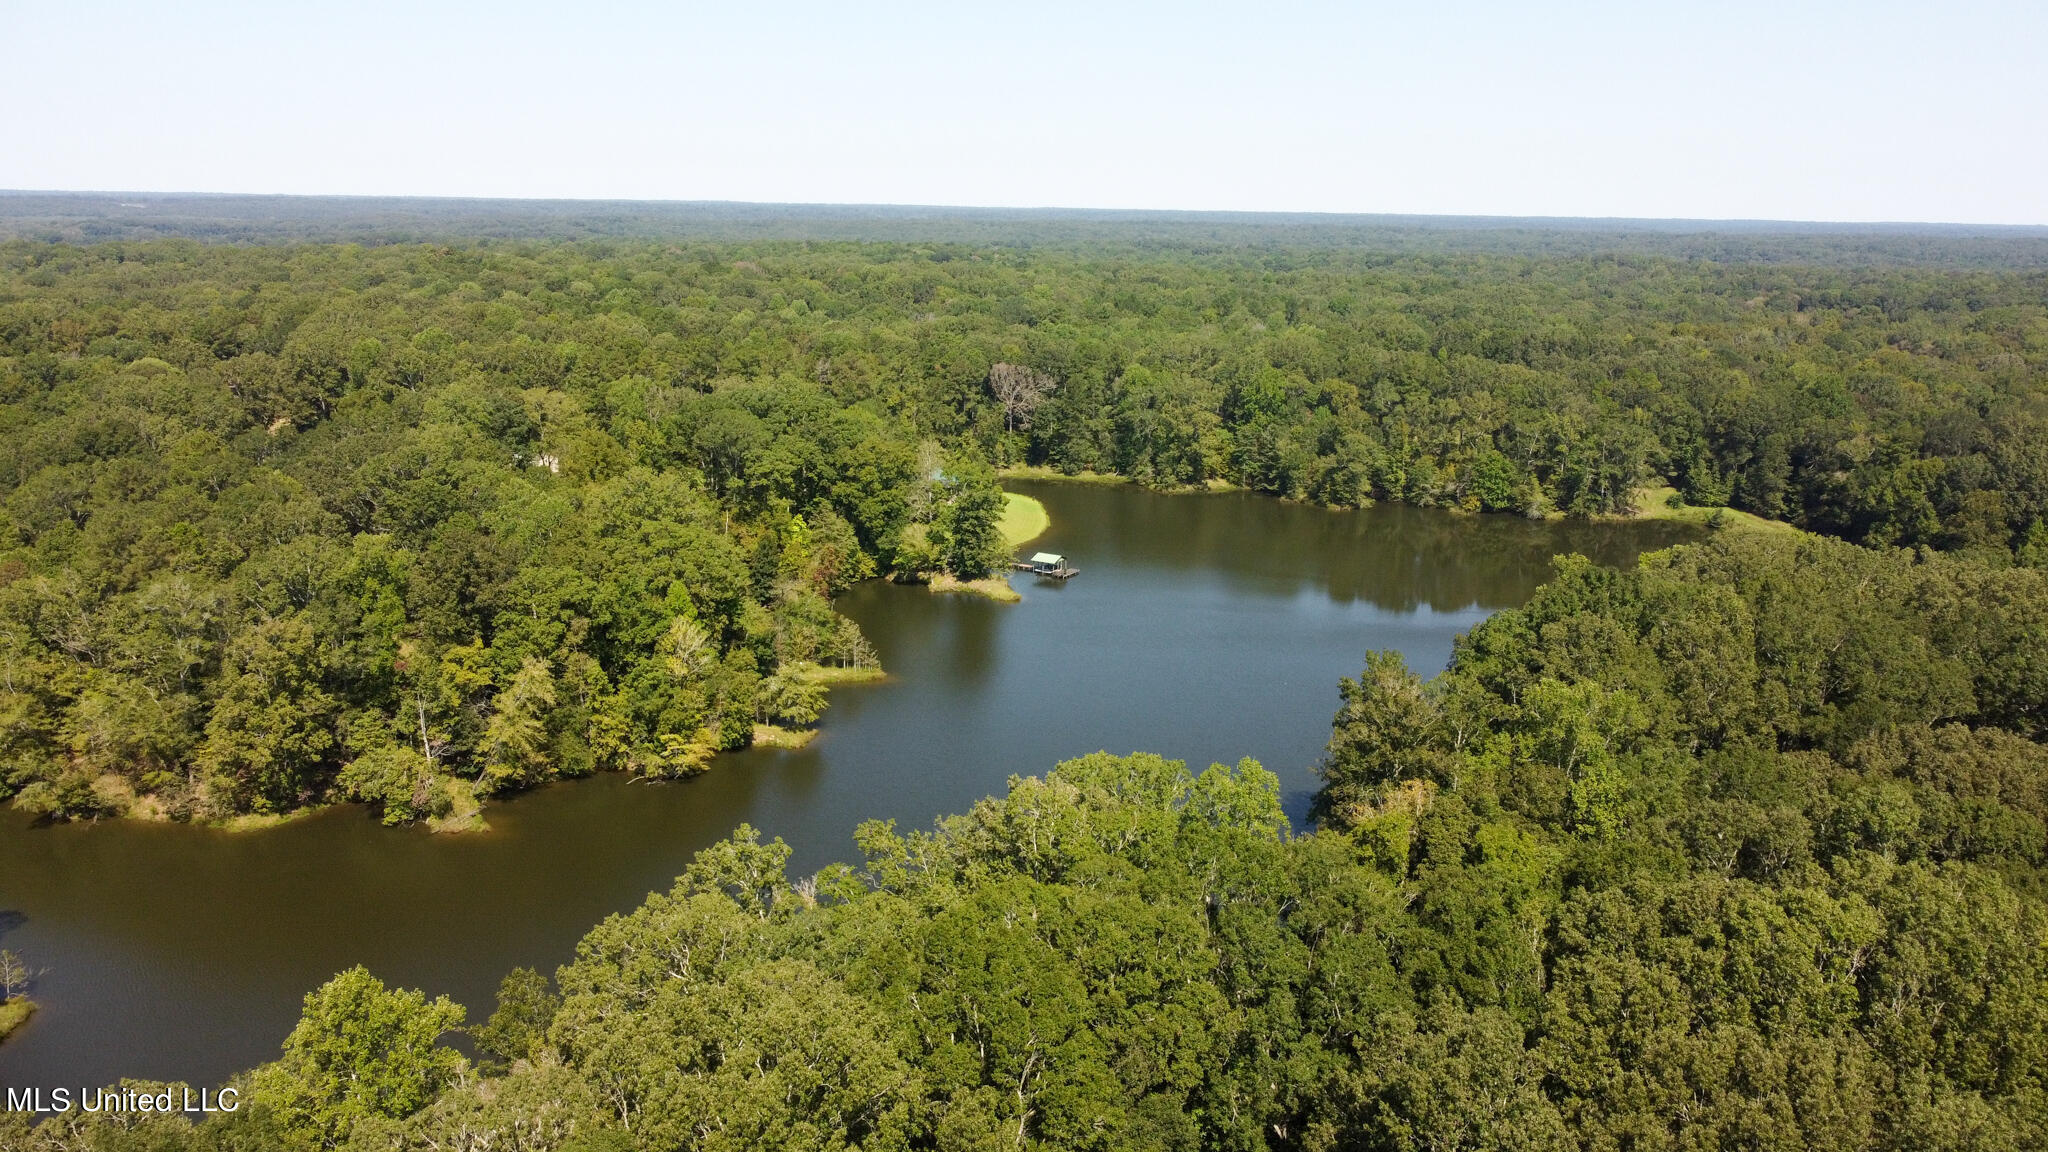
(1023, 519)
(14, 1013)
(825, 674)
(993, 587)
(1655, 504)
(257, 821)
(774, 736)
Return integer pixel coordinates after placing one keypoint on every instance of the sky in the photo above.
(1821, 110)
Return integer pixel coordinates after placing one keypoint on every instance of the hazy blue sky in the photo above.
(1822, 110)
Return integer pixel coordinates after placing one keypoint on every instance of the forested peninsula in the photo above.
(413, 524)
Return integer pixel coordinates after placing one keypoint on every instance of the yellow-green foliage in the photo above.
(461, 811)
(775, 736)
(14, 1013)
(995, 588)
(835, 674)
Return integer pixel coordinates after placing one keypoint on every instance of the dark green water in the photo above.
(1203, 627)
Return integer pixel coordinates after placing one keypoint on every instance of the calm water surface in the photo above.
(1203, 627)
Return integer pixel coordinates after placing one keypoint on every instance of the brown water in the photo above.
(1203, 627)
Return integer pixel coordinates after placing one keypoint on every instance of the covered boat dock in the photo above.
(1050, 564)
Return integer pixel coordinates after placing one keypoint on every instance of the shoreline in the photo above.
(776, 736)
(1044, 472)
(14, 1015)
(1024, 519)
(996, 588)
(829, 674)
(465, 816)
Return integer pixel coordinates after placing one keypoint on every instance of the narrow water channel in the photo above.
(1203, 627)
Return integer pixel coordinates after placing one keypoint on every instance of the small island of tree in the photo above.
(17, 979)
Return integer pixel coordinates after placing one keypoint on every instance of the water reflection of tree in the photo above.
(971, 654)
(953, 636)
(1394, 557)
(1400, 558)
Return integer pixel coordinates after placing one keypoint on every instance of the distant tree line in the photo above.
(99, 217)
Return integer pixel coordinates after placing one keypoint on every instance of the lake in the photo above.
(1204, 627)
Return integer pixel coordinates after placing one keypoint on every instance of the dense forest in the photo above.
(1743, 848)
(416, 523)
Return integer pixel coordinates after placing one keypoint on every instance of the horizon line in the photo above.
(1248, 214)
